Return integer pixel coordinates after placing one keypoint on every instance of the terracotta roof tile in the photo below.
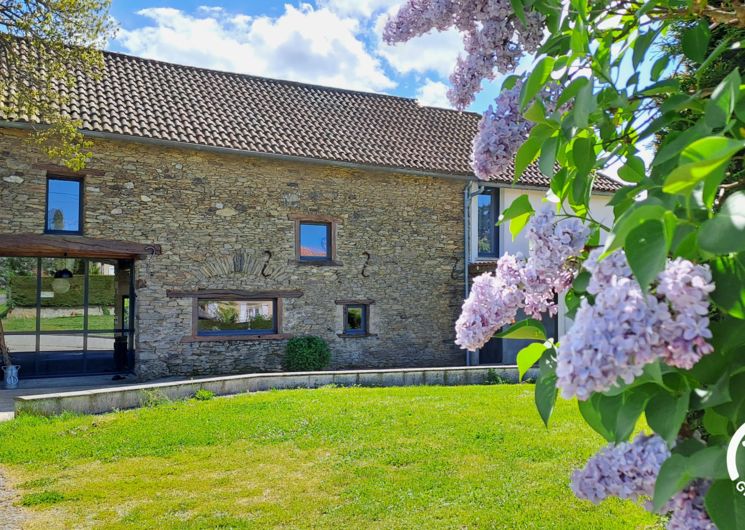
(153, 99)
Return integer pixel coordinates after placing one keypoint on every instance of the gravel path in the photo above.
(11, 516)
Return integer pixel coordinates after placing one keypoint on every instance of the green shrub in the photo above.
(153, 398)
(493, 378)
(101, 291)
(306, 354)
(203, 394)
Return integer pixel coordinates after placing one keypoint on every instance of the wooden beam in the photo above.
(233, 294)
(57, 246)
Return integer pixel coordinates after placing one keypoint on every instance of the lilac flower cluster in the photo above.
(625, 329)
(687, 511)
(629, 471)
(686, 287)
(501, 132)
(494, 38)
(517, 283)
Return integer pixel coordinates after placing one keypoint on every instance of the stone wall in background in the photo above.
(223, 219)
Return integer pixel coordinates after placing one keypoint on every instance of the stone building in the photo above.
(222, 214)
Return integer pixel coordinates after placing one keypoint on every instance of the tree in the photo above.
(658, 309)
(43, 47)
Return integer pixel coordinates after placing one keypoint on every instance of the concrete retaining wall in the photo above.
(126, 397)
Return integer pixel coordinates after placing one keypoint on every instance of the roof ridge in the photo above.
(282, 81)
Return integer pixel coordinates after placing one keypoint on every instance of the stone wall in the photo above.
(217, 218)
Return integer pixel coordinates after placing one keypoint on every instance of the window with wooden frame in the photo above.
(315, 239)
(224, 314)
(64, 205)
(355, 318)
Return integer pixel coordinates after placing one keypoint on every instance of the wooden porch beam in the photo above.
(57, 246)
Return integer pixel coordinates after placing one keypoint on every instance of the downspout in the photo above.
(468, 194)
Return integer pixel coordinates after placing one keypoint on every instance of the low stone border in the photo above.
(132, 396)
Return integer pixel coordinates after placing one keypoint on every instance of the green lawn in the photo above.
(417, 457)
(59, 323)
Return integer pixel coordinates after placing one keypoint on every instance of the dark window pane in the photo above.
(63, 205)
(220, 317)
(487, 217)
(356, 319)
(314, 241)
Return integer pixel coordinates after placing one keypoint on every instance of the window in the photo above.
(70, 324)
(64, 212)
(487, 215)
(315, 241)
(236, 317)
(355, 319)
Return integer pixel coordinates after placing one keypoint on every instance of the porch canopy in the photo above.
(55, 246)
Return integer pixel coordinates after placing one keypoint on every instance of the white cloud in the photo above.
(433, 94)
(303, 44)
(358, 8)
(434, 52)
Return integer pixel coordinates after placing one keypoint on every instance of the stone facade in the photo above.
(219, 216)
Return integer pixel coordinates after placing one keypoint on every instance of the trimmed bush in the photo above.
(306, 354)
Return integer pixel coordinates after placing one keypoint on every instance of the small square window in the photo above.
(64, 213)
(236, 317)
(355, 319)
(314, 241)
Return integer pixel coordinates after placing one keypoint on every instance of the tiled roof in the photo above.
(152, 99)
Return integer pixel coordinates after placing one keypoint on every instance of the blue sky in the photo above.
(329, 42)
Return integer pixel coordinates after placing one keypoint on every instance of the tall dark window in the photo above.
(314, 241)
(355, 319)
(64, 213)
(487, 216)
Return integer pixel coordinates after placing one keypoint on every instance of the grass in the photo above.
(417, 457)
(59, 323)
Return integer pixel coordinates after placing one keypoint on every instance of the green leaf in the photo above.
(536, 80)
(518, 214)
(695, 41)
(583, 154)
(633, 170)
(641, 45)
(591, 413)
(646, 250)
(728, 273)
(545, 386)
(630, 219)
(536, 112)
(584, 103)
(571, 90)
(679, 470)
(519, 10)
(725, 233)
(528, 329)
(725, 505)
(715, 423)
(628, 415)
(528, 356)
(706, 158)
(659, 66)
(547, 160)
(530, 148)
(666, 413)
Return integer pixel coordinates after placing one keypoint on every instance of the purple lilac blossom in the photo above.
(687, 511)
(627, 470)
(493, 302)
(500, 134)
(686, 287)
(517, 283)
(624, 330)
(494, 38)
